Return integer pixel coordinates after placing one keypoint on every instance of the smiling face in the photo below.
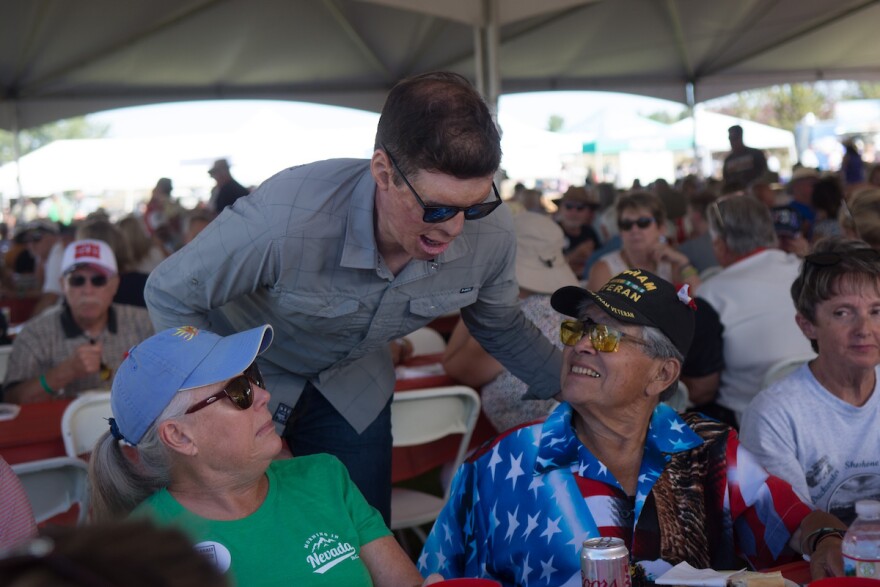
(611, 381)
(400, 230)
(847, 327)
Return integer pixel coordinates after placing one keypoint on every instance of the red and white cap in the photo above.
(91, 252)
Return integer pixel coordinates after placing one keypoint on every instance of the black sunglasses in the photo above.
(80, 280)
(642, 222)
(830, 259)
(436, 214)
(576, 206)
(238, 390)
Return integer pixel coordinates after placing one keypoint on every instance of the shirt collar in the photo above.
(71, 328)
(559, 446)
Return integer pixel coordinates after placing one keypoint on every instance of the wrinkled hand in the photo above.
(86, 359)
(827, 560)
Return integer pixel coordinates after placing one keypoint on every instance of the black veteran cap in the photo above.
(638, 297)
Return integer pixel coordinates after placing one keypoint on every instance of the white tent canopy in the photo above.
(60, 58)
(712, 132)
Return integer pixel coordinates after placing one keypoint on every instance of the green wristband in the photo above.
(45, 385)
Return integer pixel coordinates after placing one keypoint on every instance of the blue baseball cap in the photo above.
(175, 360)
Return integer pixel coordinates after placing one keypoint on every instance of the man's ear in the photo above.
(380, 167)
(176, 436)
(665, 375)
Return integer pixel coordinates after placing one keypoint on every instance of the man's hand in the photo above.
(85, 360)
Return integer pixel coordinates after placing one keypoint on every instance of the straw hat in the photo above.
(540, 265)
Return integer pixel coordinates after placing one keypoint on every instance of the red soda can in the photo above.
(605, 563)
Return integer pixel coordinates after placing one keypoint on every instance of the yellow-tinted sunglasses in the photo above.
(603, 338)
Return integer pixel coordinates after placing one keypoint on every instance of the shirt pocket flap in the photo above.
(440, 303)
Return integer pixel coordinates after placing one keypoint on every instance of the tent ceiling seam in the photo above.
(345, 24)
(98, 54)
(818, 25)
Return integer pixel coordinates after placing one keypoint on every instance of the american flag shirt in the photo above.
(521, 507)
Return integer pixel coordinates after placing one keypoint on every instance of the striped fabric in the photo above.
(17, 523)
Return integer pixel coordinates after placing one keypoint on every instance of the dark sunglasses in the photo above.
(576, 206)
(80, 280)
(238, 390)
(604, 338)
(436, 214)
(642, 222)
(830, 259)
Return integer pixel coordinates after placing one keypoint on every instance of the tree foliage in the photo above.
(555, 123)
(34, 138)
(781, 106)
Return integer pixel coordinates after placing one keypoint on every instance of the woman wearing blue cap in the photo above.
(179, 453)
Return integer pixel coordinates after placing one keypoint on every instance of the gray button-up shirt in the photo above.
(300, 254)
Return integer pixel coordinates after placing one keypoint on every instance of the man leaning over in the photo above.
(343, 256)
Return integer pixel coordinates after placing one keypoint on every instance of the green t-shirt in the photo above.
(309, 531)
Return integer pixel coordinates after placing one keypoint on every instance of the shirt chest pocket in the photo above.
(441, 303)
(319, 314)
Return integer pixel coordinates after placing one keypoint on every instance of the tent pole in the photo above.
(486, 54)
(16, 153)
(690, 91)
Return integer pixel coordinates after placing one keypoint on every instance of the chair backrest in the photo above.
(426, 341)
(782, 368)
(84, 420)
(54, 485)
(425, 415)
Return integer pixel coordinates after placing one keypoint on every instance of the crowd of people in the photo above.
(623, 344)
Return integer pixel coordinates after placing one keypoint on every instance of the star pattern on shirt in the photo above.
(512, 524)
(547, 569)
(506, 521)
(515, 470)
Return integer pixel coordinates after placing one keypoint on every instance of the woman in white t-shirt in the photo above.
(817, 428)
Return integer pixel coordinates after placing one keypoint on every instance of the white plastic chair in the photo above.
(54, 485)
(423, 416)
(426, 341)
(782, 368)
(84, 420)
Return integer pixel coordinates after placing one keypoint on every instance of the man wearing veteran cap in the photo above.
(612, 460)
(77, 345)
(191, 444)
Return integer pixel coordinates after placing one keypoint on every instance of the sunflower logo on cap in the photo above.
(187, 332)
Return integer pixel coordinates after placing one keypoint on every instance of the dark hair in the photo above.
(827, 196)
(438, 122)
(735, 130)
(818, 283)
(700, 201)
(134, 553)
(641, 199)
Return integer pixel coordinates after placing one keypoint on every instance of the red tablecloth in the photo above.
(34, 434)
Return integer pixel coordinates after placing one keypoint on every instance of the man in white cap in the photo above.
(77, 345)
